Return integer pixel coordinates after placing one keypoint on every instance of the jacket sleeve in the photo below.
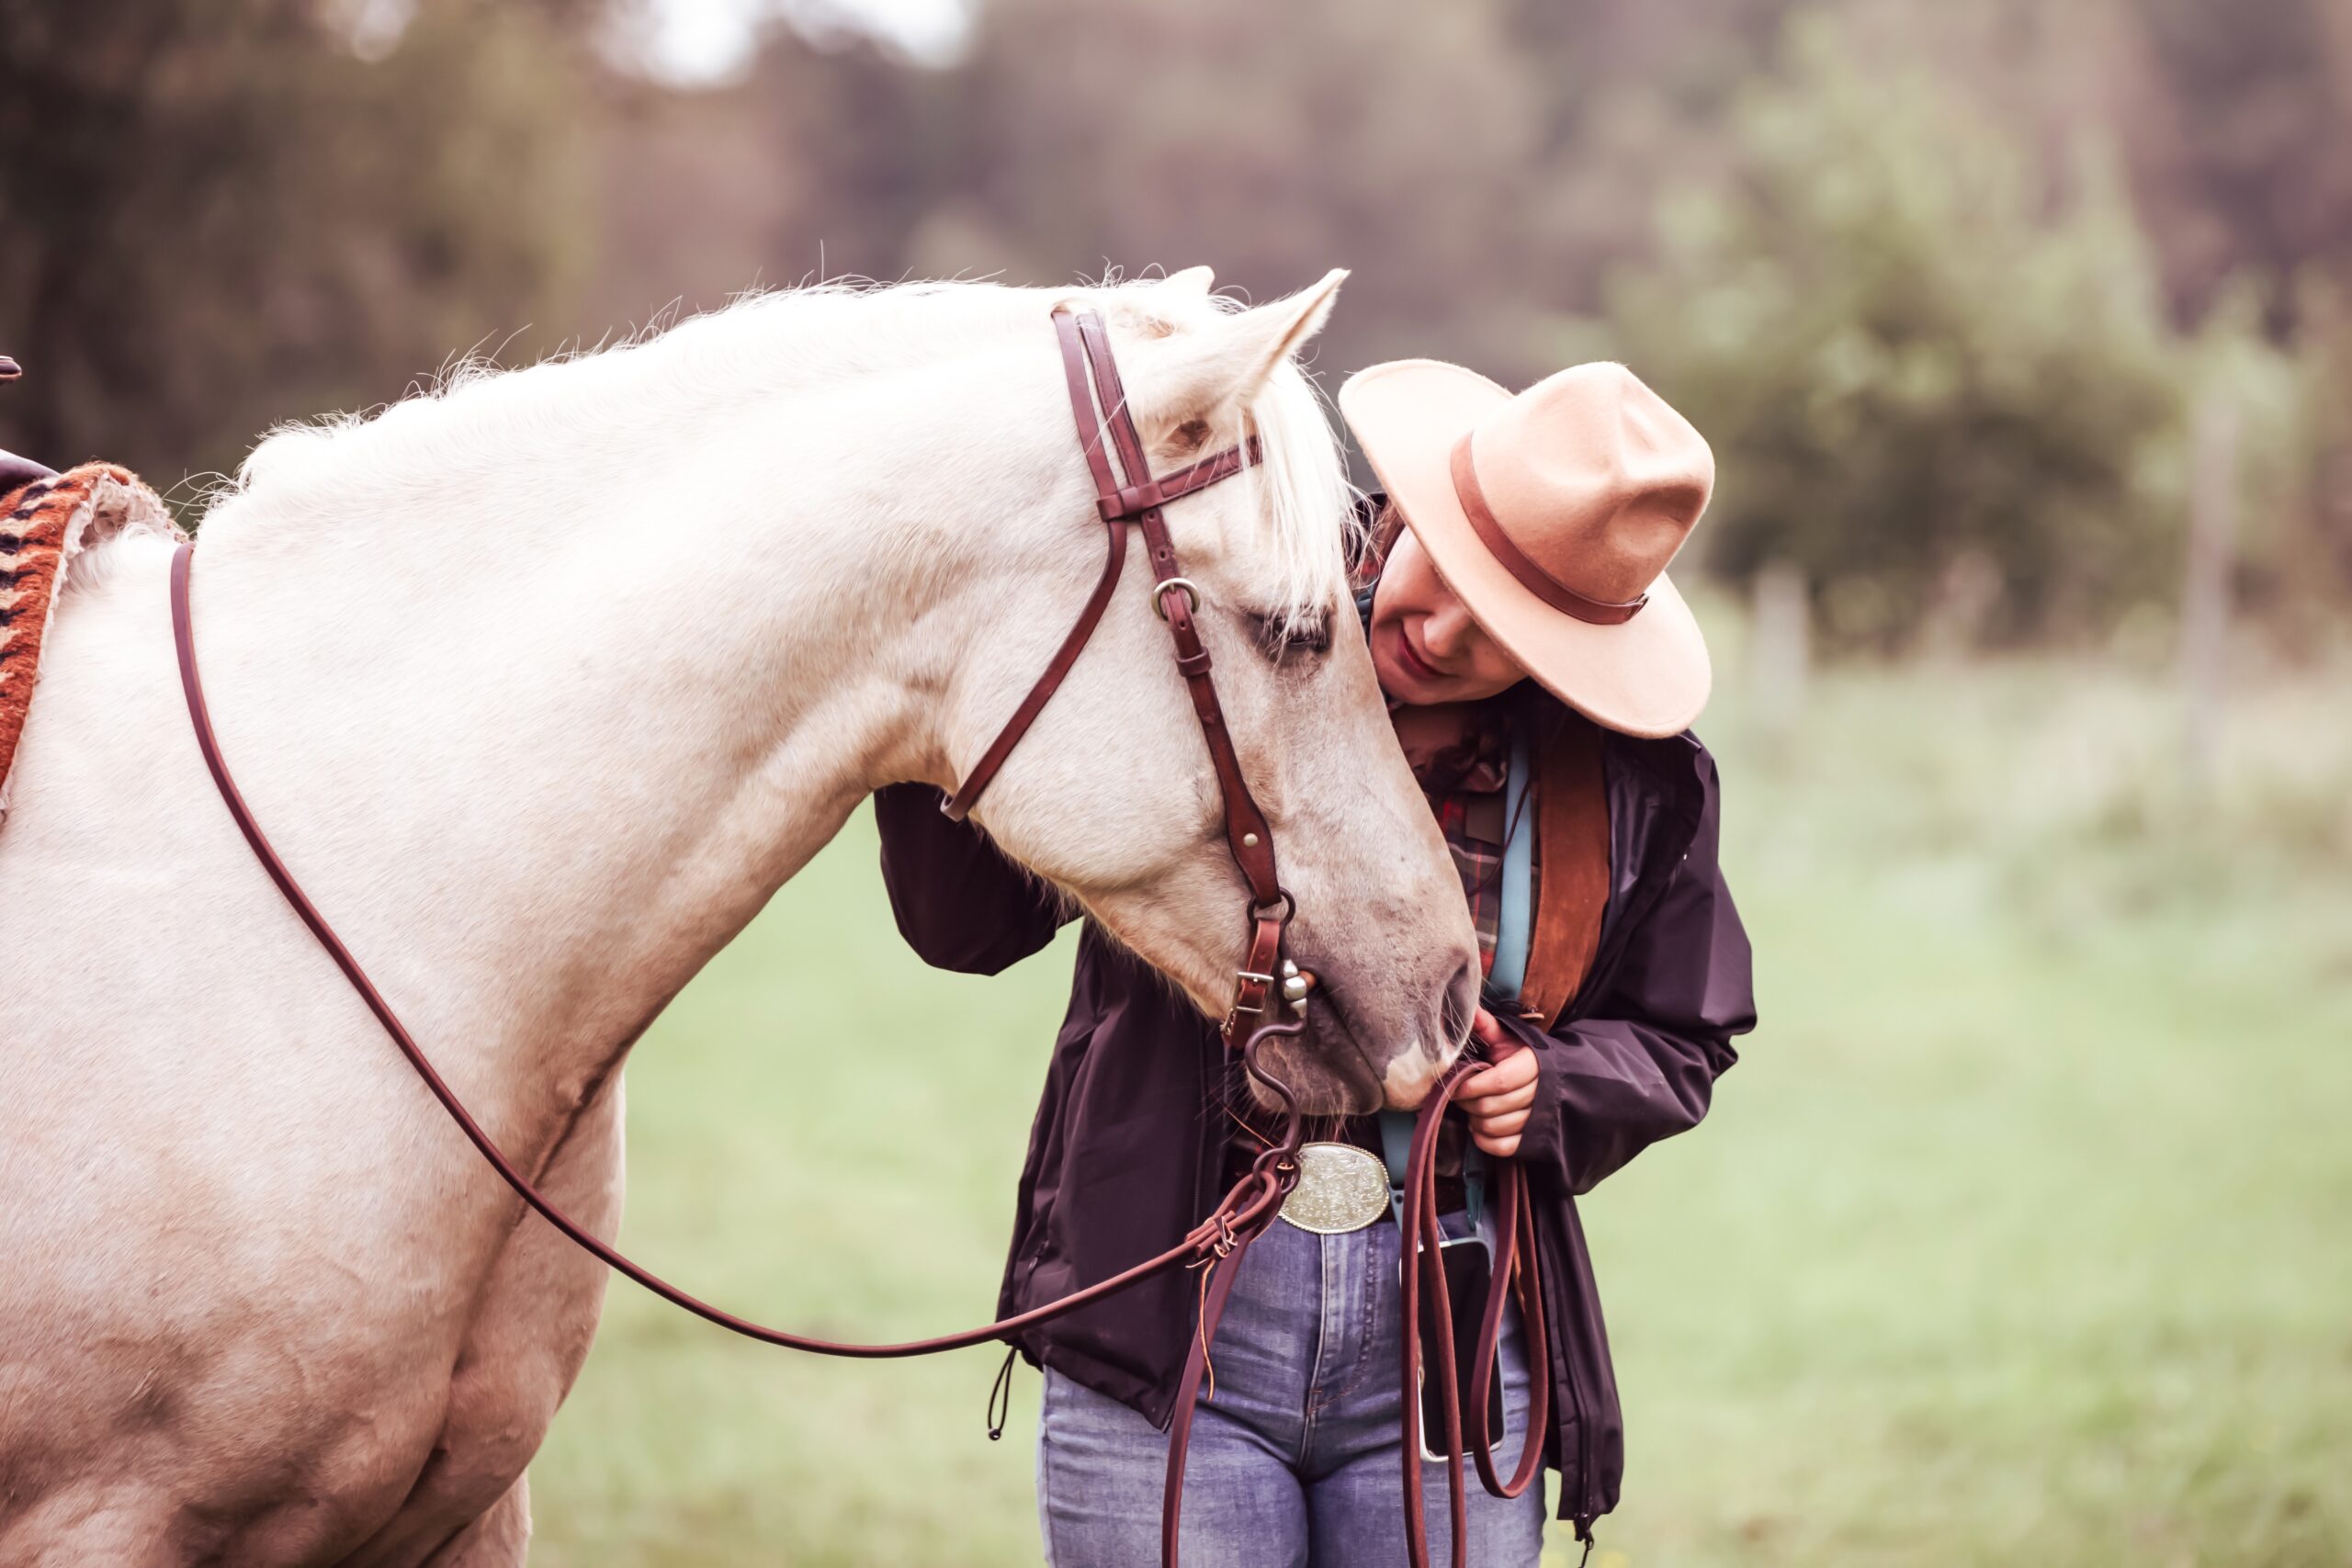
(1640, 1063)
(960, 903)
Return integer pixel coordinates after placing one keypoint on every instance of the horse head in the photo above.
(1113, 797)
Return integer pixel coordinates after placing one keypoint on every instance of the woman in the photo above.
(1542, 671)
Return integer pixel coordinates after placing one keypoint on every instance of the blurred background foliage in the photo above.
(216, 217)
(2023, 333)
(1945, 284)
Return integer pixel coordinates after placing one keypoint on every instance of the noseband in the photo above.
(1217, 1244)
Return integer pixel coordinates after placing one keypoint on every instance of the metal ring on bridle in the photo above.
(1289, 907)
(1159, 590)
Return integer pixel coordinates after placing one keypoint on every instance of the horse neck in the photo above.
(543, 738)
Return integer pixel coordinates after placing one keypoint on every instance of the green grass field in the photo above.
(2022, 1234)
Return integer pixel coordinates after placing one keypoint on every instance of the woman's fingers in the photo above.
(1496, 1101)
(1495, 1105)
(1501, 1123)
(1498, 1135)
(1508, 1075)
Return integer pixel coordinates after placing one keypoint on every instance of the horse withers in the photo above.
(543, 685)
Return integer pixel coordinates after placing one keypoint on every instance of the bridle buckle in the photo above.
(1160, 591)
(1265, 984)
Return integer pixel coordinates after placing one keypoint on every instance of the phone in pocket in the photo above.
(1469, 1276)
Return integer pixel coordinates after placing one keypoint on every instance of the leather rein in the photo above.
(1217, 1244)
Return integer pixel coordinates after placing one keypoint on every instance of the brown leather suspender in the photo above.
(1572, 846)
(1218, 1243)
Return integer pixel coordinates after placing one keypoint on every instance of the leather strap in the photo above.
(1424, 1277)
(1247, 1210)
(1246, 833)
(1247, 836)
(1116, 503)
(1254, 1202)
(1183, 482)
(1133, 500)
(960, 806)
(1572, 837)
(1532, 577)
(1099, 404)
(1216, 1291)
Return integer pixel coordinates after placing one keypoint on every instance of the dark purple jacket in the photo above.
(1126, 1151)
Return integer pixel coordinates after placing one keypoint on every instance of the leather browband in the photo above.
(1133, 500)
(1532, 577)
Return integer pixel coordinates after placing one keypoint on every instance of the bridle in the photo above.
(1086, 346)
(1217, 1244)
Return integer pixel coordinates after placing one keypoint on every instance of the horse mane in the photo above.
(471, 416)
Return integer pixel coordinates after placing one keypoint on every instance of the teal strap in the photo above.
(1397, 1149)
(1514, 934)
(1514, 927)
(1397, 1145)
(1515, 923)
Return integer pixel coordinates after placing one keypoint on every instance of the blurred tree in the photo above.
(1878, 265)
(824, 160)
(1923, 386)
(2296, 571)
(875, 143)
(223, 215)
(2240, 136)
(1270, 142)
(1632, 98)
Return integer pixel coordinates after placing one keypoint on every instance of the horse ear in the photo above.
(1197, 373)
(1192, 280)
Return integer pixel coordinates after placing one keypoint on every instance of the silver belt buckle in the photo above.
(1341, 1188)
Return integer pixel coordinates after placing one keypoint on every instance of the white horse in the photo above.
(543, 685)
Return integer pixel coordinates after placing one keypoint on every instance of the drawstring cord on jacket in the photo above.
(1001, 1395)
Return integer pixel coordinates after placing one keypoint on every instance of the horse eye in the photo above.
(1281, 635)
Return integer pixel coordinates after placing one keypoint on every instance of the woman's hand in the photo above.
(1497, 1100)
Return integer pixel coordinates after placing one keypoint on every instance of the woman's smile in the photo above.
(1410, 658)
(1425, 646)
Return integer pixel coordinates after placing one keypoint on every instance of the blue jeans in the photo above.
(1295, 1462)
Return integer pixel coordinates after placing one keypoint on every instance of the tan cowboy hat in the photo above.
(1552, 514)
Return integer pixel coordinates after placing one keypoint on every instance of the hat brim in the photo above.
(1647, 676)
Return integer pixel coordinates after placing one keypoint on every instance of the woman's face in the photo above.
(1425, 647)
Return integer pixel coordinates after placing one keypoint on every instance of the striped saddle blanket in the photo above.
(44, 525)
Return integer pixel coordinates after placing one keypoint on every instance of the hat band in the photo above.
(1532, 577)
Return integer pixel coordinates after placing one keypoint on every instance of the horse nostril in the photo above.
(1460, 1005)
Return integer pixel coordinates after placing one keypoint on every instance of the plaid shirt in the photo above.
(1465, 786)
(1464, 775)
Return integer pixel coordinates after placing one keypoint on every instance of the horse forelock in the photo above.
(1299, 490)
(1303, 494)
